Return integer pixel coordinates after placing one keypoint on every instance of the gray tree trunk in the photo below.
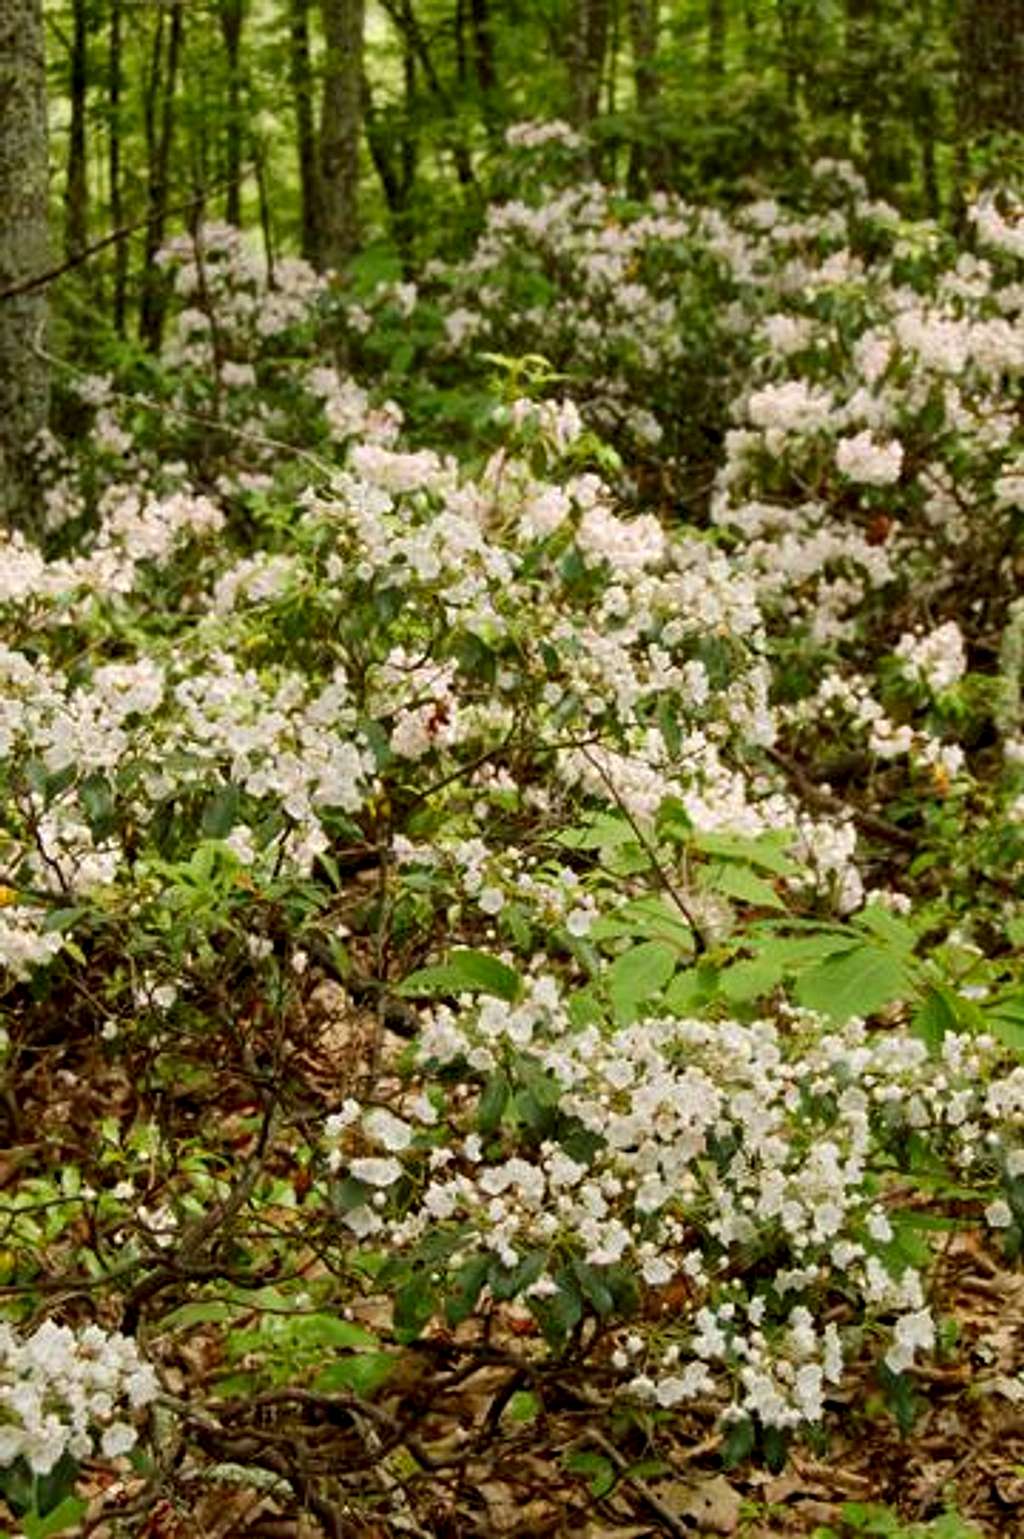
(24, 253)
(340, 130)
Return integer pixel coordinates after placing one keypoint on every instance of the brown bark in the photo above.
(159, 115)
(232, 16)
(990, 41)
(340, 131)
(24, 251)
(588, 46)
(114, 86)
(76, 186)
(301, 77)
(646, 158)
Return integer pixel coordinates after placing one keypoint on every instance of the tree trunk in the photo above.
(485, 65)
(76, 187)
(232, 15)
(716, 39)
(646, 156)
(588, 46)
(114, 84)
(340, 130)
(24, 252)
(409, 29)
(159, 114)
(990, 41)
(301, 76)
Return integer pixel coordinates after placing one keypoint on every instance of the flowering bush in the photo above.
(590, 916)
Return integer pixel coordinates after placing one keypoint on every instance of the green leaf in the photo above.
(323, 1330)
(750, 979)
(363, 1373)
(692, 989)
(739, 1443)
(67, 1514)
(746, 886)
(466, 1289)
(766, 852)
(595, 1468)
(466, 972)
(414, 1308)
(493, 1102)
(97, 798)
(859, 982)
(220, 813)
(509, 1282)
(887, 927)
(934, 1016)
(61, 919)
(639, 974)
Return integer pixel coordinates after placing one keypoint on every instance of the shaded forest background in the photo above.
(335, 128)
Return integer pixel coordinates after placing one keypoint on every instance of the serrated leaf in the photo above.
(934, 1016)
(764, 852)
(638, 975)
(750, 979)
(739, 882)
(888, 927)
(858, 982)
(465, 972)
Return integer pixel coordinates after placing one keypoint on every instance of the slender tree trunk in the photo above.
(409, 29)
(485, 65)
(117, 219)
(927, 127)
(990, 43)
(159, 113)
(24, 251)
(588, 45)
(232, 16)
(301, 75)
(646, 156)
(340, 130)
(716, 39)
(76, 187)
(861, 71)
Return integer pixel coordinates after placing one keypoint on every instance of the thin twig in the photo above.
(44, 279)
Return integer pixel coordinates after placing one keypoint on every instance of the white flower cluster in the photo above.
(696, 1148)
(66, 1391)
(937, 659)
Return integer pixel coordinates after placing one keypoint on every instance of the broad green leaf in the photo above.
(639, 974)
(766, 852)
(68, 1514)
(691, 989)
(596, 1469)
(858, 982)
(739, 882)
(750, 979)
(652, 917)
(466, 972)
(934, 1016)
(887, 927)
(363, 1373)
(323, 1330)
